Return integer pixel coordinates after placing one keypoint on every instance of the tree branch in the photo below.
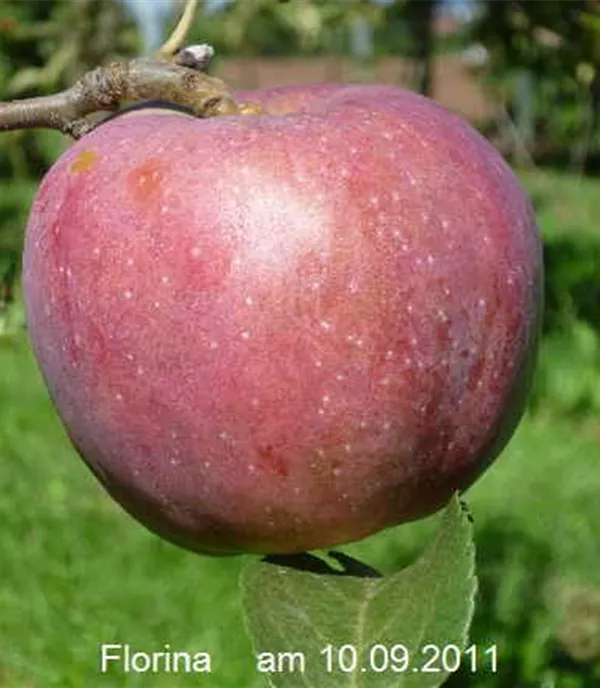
(104, 88)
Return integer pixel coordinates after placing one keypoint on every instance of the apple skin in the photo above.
(281, 332)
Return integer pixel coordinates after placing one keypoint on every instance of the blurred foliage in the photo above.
(273, 27)
(544, 63)
(45, 45)
(568, 378)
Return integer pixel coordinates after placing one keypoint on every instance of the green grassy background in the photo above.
(75, 571)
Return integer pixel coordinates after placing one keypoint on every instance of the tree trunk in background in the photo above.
(524, 109)
(420, 14)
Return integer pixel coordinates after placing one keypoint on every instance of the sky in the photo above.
(151, 17)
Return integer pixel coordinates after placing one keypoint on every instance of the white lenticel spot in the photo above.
(130, 262)
(164, 279)
(96, 251)
(337, 472)
(254, 402)
(339, 377)
(385, 381)
(318, 364)
(245, 334)
(408, 361)
(118, 397)
(214, 345)
(409, 308)
(128, 294)
(387, 425)
(389, 354)
(223, 436)
(249, 301)
(207, 464)
(157, 304)
(325, 399)
(325, 324)
(481, 303)
(196, 251)
(348, 448)
(140, 370)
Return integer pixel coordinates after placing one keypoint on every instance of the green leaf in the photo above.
(310, 628)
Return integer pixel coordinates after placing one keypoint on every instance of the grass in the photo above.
(75, 571)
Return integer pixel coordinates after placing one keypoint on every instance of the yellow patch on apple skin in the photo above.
(84, 161)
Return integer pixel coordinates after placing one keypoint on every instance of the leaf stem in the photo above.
(179, 33)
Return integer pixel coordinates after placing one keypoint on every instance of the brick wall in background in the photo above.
(454, 86)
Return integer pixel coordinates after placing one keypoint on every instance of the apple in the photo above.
(285, 331)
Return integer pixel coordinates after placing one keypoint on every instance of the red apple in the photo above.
(280, 332)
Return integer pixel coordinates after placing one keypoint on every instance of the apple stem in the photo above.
(178, 80)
